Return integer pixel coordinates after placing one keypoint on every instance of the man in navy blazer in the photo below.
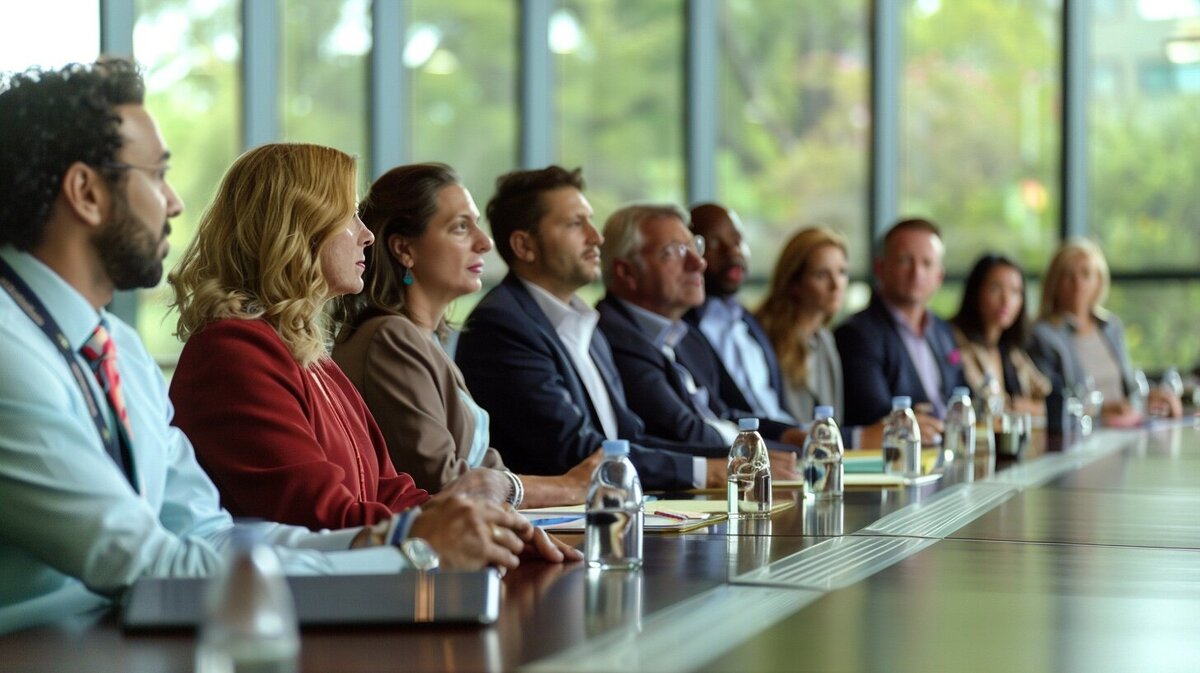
(897, 346)
(750, 375)
(653, 273)
(530, 353)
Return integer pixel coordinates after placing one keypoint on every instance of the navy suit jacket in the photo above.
(655, 390)
(542, 420)
(730, 393)
(877, 367)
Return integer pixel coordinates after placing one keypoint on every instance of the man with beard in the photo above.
(751, 377)
(99, 488)
(531, 354)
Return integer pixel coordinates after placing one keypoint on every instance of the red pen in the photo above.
(669, 515)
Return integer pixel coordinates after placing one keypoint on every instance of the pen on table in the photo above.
(669, 515)
(554, 520)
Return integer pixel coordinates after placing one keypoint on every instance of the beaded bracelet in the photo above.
(516, 490)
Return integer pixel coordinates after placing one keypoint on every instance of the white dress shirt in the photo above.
(575, 323)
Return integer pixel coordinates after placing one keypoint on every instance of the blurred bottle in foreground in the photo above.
(250, 621)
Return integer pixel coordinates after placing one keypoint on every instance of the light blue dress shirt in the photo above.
(742, 356)
(665, 334)
(71, 527)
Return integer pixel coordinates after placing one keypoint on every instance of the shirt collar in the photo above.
(726, 310)
(74, 314)
(556, 311)
(662, 331)
(898, 316)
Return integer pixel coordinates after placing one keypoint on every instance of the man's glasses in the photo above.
(680, 250)
(158, 172)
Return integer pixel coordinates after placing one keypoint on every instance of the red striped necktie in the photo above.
(101, 353)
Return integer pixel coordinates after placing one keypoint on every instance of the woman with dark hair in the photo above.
(992, 331)
(429, 252)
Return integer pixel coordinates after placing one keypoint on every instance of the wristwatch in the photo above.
(420, 554)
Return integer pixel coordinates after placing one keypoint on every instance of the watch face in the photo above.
(420, 553)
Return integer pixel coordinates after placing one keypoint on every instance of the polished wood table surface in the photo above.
(1080, 559)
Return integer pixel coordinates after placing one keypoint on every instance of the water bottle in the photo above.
(613, 532)
(1140, 393)
(902, 439)
(1172, 382)
(823, 453)
(1091, 401)
(250, 622)
(748, 478)
(959, 434)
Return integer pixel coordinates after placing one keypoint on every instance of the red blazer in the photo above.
(282, 442)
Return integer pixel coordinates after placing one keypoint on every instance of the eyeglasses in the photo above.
(680, 250)
(158, 172)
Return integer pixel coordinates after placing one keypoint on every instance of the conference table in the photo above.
(1081, 555)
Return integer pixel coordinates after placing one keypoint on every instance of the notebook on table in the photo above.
(409, 597)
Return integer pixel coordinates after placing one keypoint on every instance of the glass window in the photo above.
(1142, 149)
(1143, 201)
(1160, 322)
(795, 122)
(190, 52)
(324, 75)
(979, 150)
(461, 57)
(619, 98)
(34, 33)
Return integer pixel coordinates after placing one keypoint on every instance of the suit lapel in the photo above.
(542, 324)
(768, 350)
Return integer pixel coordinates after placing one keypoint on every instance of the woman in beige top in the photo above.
(992, 331)
(429, 252)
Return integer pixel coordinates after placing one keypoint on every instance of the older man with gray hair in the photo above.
(653, 269)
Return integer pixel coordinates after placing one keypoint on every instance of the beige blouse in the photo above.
(412, 389)
(977, 364)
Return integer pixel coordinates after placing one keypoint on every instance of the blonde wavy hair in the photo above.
(257, 252)
(779, 312)
(1072, 249)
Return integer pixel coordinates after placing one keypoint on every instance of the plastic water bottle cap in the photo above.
(615, 447)
(961, 391)
(747, 424)
(822, 412)
(901, 402)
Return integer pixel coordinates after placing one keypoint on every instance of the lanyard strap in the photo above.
(116, 443)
